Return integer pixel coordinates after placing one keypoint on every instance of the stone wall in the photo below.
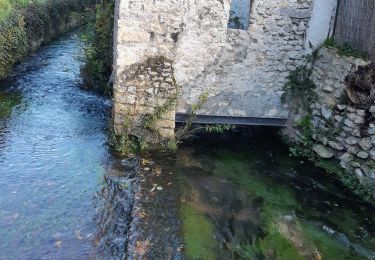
(243, 71)
(342, 130)
(147, 98)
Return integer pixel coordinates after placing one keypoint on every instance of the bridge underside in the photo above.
(232, 120)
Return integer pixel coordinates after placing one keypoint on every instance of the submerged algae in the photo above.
(198, 231)
(295, 203)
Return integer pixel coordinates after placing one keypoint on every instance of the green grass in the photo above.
(345, 49)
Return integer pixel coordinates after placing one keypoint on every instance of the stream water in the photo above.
(63, 195)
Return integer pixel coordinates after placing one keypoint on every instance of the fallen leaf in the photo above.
(170, 183)
(58, 243)
(158, 171)
(78, 235)
(142, 247)
(159, 188)
(144, 161)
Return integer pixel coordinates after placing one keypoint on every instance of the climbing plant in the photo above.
(299, 88)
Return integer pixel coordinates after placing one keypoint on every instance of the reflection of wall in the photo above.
(240, 9)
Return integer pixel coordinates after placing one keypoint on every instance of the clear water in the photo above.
(52, 156)
(237, 196)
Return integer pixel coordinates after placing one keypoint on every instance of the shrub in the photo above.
(99, 48)
(23, 21)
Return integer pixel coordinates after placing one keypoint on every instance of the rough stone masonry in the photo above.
(242, 71)
(343, 130)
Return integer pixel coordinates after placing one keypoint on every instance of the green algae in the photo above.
(198, 231)
(276, 245)
(277, 200)
(292, 224)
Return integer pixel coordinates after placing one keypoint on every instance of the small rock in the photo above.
(323, 151)
(327, 88)
(359, 173)
(372, 110)
(353, 150)
(356, 132)
(351, 109)
(341, 107)
(365, 143)
(356, 118)
(372, 153)
(338, 118)
(326, 112)
(351, 140)
(336, 146)
(346, 157)
(369, 172)
(371, 130)
(349, 123)
(362, 155)
(361, 112)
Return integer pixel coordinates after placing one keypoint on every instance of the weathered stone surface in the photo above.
(372, 153)
(323, 152)
(341, 107)
(242, 70)
(362, 155)
(336, 145)
(365, 143)
(351, 144)
(349, 123)
(351, 140)
(368, 171)
(360, 175)
(372, 110)
(326, 112)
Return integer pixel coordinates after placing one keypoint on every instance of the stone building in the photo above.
(238, 53)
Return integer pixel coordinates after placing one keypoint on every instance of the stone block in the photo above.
(336, 145)
(323, 152)
(365, 143)
(352, 140)
(362, 155)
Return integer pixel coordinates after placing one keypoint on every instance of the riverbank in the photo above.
(332, 117)
(24, 28)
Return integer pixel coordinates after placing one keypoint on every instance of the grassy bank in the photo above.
(26, 24)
